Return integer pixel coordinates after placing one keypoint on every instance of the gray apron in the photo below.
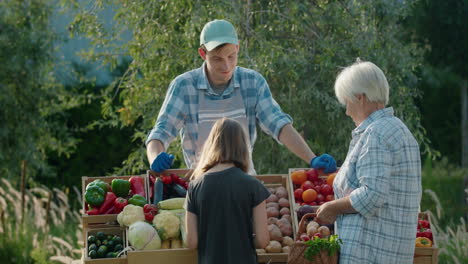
(210, 111)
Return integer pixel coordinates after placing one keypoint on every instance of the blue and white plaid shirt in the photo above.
(179, 111)
(382, 177)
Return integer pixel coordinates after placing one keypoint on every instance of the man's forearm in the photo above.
(153, 149)
(343, 206)
(295, 143)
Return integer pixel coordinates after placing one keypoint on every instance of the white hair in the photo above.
(362, 77)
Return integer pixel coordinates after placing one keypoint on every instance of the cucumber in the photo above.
(158, 191)
(181, 191)
(173, 203)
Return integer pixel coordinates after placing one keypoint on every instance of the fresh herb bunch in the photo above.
(315, 245)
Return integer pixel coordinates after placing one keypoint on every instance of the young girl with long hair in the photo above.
(226, 212)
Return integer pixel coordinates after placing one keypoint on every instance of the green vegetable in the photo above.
(92, 254)
(92, 247)
(143, 236)
(94, 195)
(120, 187)
(110, 244)
(137, 200)
(100, 235)
(111, 254)
(167, 224)
(174, 203)
(91, 239)
(102, 251)
(118, 248)
(103, 185)
(117, 240)
(315, 245)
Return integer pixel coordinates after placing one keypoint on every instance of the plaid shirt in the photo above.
(382, 176)
(179, 112)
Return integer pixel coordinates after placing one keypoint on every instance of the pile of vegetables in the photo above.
(279, 222)
(103, 245)
(424, 237)
(166, 187)
(102, 198)
(166, 230)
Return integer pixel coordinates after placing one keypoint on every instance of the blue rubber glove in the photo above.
(162, 162)
(325, 162)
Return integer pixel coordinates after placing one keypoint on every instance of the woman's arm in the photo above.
(262, 237)
(192, 229)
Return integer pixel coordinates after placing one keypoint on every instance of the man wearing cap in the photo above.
(220, 88)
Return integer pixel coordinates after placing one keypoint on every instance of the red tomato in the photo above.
(304, 237)
(329, 198)
(320, 198)
(298, 194)
(326, 189)
(318, 188)
(312, 175)
(307, 185)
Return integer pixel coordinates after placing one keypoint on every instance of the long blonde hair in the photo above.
(226, 143)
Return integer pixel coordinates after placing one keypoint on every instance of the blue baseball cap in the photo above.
(218, 32)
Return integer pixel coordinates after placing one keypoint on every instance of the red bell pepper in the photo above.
(166, 180)
(137, 185)
(149, 217)
(108, 202)
(94, 211)
(119, 204)
(150, 208)
(111, 210)
(423, 224)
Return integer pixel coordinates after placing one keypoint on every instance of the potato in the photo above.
(287, 241)
(286, 249)
(272, 212)
(324, 231)
(282, 222)
(260, 251)
(273, 204)
(283, 202)
(275, 233)
(274, 247)
(286, 230)
(281, 192)
(287, 217)
(284, 211)
(311, 230)
(272, 190)
(272, 198)
(272, 220)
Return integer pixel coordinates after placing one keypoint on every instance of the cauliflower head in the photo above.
(167, 224)
(130, 214)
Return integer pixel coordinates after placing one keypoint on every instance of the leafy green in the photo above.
(315, 245)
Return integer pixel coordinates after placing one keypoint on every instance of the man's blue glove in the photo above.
(325, 162)
(162, 162)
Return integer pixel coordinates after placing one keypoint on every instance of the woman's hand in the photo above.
(326, 213)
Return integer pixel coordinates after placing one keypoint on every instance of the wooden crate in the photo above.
(276, 180)
(426, 255)
(110, 219)
(116, 230)
(166, 256)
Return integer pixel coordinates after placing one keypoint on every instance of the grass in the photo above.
(445, 196)
(47, 230)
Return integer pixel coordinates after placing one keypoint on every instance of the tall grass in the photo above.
(445, 196)
(48, 231)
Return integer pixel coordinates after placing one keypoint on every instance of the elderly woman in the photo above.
(378, 188)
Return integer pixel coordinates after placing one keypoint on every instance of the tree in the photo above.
(32, 102)
(441, 27)
(299, 48)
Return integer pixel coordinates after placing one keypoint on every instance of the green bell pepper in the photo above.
(100, 183)
(137, 200)
(94, 195)
(120, 187)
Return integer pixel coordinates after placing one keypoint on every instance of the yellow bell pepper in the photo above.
(423, 242)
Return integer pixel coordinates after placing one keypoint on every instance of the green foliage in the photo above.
(299, 47)
(32, 102)
(444, 188)
(331, 245)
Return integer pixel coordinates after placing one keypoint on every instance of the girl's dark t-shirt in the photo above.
(223, 202)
